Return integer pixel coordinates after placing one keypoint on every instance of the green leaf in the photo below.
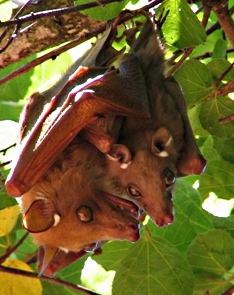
(218, 178)
(112, 254)
(188, 202)
(52, 288)
(220, 48)
(196, 81)
(153, 266)
(193, 114)
(180, 233)
(15, 89)
(213, 110)
(225, 148)
(210, 284)
(109, 11)
(226, 223)
(181, 27)
(6, 201)
(218, 67)
(10, 110)
(72, 273)
(212, 253)
(190, 218)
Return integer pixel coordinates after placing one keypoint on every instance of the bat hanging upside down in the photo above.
(69, 210)
(78, 194)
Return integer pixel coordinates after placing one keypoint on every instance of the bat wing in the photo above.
(76, 105)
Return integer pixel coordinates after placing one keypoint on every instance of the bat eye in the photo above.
(84, 214)
(158, 147)
(169, 177)
(133, 192)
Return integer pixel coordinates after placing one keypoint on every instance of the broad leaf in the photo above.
(8, 217)
(211, 283)
(225, 148)
(112, 254)
(15, 284)
(106, 12)
(213, 110)
(153, 266)
(211, 255)
(196, 81)
(218, 179)
(181, 27)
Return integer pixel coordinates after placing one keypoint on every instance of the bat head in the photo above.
(144, 170)
(68, 209)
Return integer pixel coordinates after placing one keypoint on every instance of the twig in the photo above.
(227, 88)
(187, 52)
(223, 75)
(12, 249)
(229, 291)
(53, 12)
(83, 37)
(47, 279)
(227, 119)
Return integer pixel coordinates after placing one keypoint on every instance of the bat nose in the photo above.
(165, 220)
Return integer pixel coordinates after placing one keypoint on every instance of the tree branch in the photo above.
(59, 282)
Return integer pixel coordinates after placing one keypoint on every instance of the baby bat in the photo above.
(70, 211)
(152, 152)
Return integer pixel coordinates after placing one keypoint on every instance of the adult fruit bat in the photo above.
(79, 101)
(69, 211)
(152, 152)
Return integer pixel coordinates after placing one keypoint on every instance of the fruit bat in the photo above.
(68, 212)
(152, 152)
(90, 99)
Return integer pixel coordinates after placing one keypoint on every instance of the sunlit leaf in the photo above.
(153, 266)
(112, 254)
(97, 278)
(180, 233)
(218, 179)
(106, 12)
(17, 284)
(196, 81)
(8, 217)
(218, 67)
(181, 27)
(15, 89)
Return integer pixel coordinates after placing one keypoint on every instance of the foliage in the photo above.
(194, 255)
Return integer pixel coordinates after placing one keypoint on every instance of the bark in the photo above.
(43, 33)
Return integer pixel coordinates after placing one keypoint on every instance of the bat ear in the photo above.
(191, 160)
(161, 139)
(191, 163)
(40, 216)
(121, 154)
